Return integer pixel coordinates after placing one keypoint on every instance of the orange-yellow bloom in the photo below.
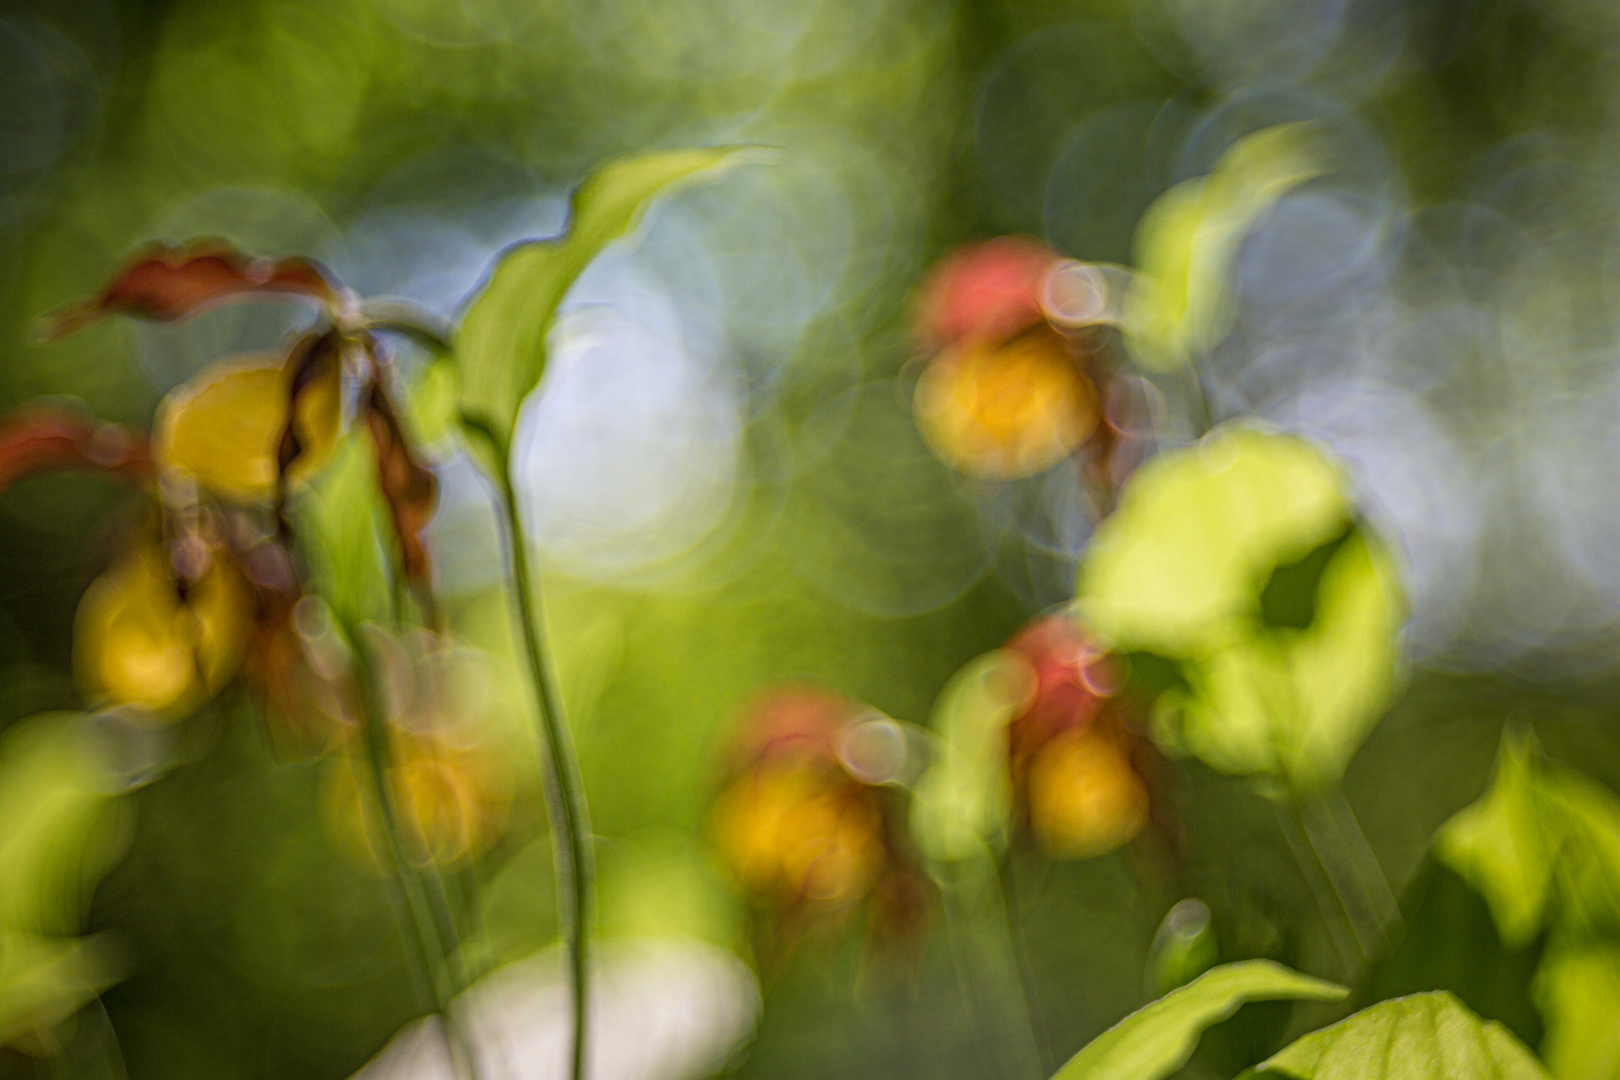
(140, 642)
(1005, 409)
(451, 801)
(224, 427)
(791, 836)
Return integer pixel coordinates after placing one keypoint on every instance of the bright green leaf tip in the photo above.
(502, 346)
(1187, 240)
(1157, 1039)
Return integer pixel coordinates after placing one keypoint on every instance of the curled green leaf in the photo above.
(1158, 1038)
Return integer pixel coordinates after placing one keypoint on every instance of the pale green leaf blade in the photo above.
(61, 829)
(960, 804)
(502, 343)
(1187, 240)
(1577, 992)
(1428, 1036)
(44, 980)
(1346, 665)
(1158, 1038)
(1504, 844)
(1197, 533)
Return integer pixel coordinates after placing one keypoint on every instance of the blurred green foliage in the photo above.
(847, 553)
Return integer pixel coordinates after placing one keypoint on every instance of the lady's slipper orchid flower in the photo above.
(172, 622)
(142, 641)
(1019, 372)
(800, 831)
(1005, 393)
(1070, 749)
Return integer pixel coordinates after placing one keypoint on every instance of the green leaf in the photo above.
(1180, 302)
(63, 831)
(1503, 846)
(1204, 540)
(1429, 1036)
(1577, 990)
(1542, 846)
(1200, 531)
(960, 804)
(1157, 1039)
(502, 343)
(341, 523)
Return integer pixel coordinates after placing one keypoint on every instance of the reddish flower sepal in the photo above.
(164, 283)
(990, 291)
(45, 438)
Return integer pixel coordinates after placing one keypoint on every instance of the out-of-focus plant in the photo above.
(1019, 374)
(1542, 846)
(1073, 755)
(810, 819)
(1424, 1035)
(1036, 741)
(1179, 303)
(64, 826)
(1239, 578)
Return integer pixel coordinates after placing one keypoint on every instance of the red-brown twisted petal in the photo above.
(165, 283)
(43, 438)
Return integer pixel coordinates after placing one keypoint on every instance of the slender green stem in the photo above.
(1342, 850)
(1328, 901)
(429, 954)
(987, 968)
(564, 787)
(1007, 875)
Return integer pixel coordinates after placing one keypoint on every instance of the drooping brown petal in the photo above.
(409, 487)
(315, 359)
(42, 438)
(165, 283)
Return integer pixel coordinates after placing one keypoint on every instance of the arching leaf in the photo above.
(1157, 1039)
(1187, 240)
(502, 343)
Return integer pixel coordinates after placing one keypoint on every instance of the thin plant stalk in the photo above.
(1342, 849)
(1018, 942)
(564, 787)
(429, 963)
(987, 967)
(1328, 902)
